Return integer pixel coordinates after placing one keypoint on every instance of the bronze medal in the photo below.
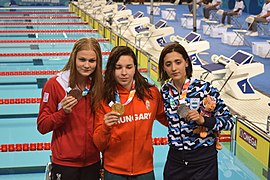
(76, 93)
(119, 108)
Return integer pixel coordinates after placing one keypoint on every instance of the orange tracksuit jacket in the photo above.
(127, 146)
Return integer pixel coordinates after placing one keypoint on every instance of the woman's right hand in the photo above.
(68, 103)
(111, 118)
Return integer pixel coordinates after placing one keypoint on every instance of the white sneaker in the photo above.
(221, 25)
(254, 34)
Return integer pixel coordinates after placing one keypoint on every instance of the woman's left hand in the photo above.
(193, 115)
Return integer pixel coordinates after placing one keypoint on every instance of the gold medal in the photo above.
(76, 93)
(119, 108)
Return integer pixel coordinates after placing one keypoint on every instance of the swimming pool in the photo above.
(20, 94)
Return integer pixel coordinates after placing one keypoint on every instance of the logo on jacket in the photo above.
(135, 117)
(194, 103)
(147, 104)
(58, 176)
(46, 97)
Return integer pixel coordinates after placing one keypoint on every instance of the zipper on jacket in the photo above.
(85, 129)
(134, 134)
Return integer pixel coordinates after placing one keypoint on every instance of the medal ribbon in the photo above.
(130, 96)
(86, 90)
(183, 93)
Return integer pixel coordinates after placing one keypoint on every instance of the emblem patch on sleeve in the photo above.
(147, 103)
(46, 97)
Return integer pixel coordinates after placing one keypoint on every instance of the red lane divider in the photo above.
(41, 54)
(35, 54)
(49, 40)
(41, 23)
(27, 73)
(50, 31)
(20, 101)
(44, 72)
(33, 12)
(164, 140)
(160, 141)
(225, 138)
(39, 17)
(143, 70)
(40, 146)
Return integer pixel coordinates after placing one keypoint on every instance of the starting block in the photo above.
(235, 72)
(155, 35)
(123, 22)
(194, 45)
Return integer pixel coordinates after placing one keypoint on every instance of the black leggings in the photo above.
(76, 173)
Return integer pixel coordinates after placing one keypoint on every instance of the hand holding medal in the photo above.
(183, 109)
(76, 93)
(117, 106)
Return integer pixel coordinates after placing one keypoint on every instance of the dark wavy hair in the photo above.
(96, 76)
(141, 83)
(175, 47)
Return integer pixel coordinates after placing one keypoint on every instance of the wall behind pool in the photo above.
(251, 6)
(7, 3)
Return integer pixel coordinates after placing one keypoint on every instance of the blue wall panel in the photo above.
(252, 6)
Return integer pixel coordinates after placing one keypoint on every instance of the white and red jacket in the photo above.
(72, 143)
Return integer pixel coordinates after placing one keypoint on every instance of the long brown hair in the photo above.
(96, 77)
(141, 84)
(175, 47)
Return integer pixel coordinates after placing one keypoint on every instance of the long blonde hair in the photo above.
(96, 76)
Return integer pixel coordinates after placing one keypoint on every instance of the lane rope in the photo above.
(20, 101)
(42, 54)
(40, 146)
(41, 23)
(44, 12)
(44, 72)
(50, 31)
(39, 17)
(50, 40)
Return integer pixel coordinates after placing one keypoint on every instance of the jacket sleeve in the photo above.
(49, 117)
(102, 133)
(222, 118)
(160, 116)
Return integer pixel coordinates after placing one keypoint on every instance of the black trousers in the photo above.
(76, 173)
(178, 168)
